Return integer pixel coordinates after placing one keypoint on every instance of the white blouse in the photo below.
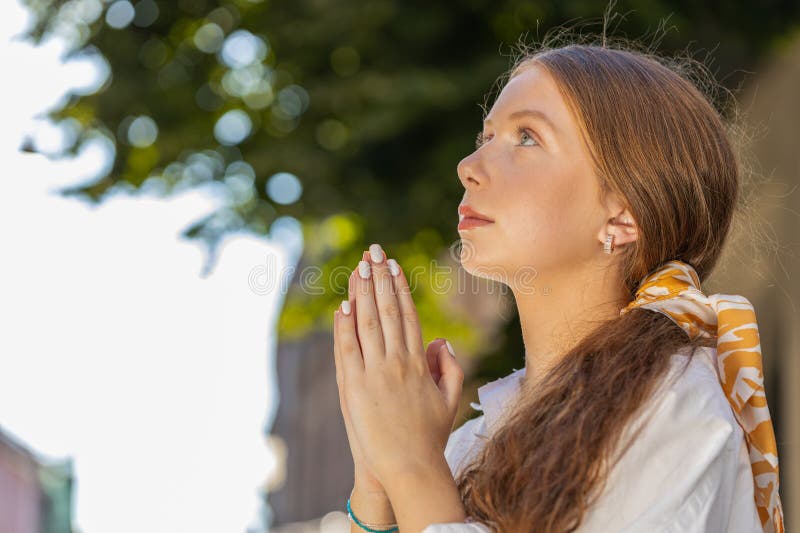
(688, 471)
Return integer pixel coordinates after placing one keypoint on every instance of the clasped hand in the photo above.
(399, 400)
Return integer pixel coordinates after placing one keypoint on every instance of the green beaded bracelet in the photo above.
(367, 527)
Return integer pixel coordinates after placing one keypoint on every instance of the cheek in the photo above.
(537, 212)
(534, 224)
(549, 222)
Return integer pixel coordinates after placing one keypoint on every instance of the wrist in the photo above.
(426, 496)
(368, 487)
(435, 469)
(373, 507)
(370, 495)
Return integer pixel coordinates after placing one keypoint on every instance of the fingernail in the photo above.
(394, 268)
(346, 307)
(363, 269)
(450, 348)
(376, 253)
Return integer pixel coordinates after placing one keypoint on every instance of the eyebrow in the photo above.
(529, 113)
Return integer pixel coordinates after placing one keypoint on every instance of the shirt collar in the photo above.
(495, 396)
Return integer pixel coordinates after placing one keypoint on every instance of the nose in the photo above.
(471, 173)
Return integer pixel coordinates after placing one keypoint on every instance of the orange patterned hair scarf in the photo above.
(674, 289)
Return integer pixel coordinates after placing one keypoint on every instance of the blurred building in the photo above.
(35, 493)
(762, 261)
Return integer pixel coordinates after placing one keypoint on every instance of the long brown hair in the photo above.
(657, 140)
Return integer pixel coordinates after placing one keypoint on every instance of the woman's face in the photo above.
(533, 177)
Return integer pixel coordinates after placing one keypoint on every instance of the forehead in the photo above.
(532, 89)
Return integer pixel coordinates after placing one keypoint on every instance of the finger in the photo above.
(408, 311)
(337, 354)
(386, 302)
(337, 357)
(432, 354)
(366, 319)
(351, 290)
(339, 381)
(452, 381)
(349, 350)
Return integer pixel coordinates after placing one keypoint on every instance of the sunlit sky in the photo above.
(115, 350)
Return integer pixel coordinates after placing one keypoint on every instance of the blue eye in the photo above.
(525, 131)
(481, 139)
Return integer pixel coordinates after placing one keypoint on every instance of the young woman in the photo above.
(601, 191)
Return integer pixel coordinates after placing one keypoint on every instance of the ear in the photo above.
(619, 222)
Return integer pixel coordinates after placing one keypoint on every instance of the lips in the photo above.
(469, 218)
(466, 211)
(470, 223)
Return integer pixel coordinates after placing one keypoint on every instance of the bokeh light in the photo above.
(142, 131)
(284, 188)
(240, 81)
(293, 100)
(226, 17)
(233, 127)
(201, 167)
(120, 14)
(260, 96)
(146, 13)
(153, 53)
(242, 48)
(241, 169)
(209, 37)
(240, 179)
(81, 11)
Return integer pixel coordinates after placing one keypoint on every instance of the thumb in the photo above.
(452, 379)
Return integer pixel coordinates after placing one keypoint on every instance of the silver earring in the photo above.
(608, 247)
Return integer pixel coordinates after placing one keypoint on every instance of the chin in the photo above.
(482, 258)
(482, 269)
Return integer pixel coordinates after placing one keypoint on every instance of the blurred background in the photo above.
(187, 185)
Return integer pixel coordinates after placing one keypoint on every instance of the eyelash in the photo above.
(480, 140)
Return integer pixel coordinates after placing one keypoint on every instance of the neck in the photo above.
(561, 310)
